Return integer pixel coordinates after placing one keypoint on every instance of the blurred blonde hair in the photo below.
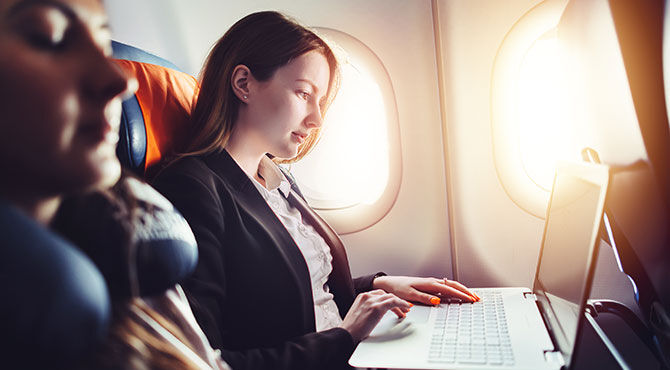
(133, 344)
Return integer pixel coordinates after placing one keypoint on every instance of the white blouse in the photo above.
(314, 249)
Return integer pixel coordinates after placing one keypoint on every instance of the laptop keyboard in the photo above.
(472, 333)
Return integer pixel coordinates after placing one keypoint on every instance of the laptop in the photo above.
(510, 328)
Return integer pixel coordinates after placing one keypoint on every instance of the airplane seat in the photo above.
(55, 304)
(157, 115)
(153, 121)
(642, 31)
(639, 199)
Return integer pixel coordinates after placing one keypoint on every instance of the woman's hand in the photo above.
(368, 309)
(428, 291)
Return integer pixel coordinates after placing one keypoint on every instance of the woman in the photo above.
(58, 97)
(273, 282)
(61, 101)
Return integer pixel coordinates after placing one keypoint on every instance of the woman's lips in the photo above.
(299, 137)
(99, 132)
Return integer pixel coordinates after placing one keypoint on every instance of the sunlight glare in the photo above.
(544, 131)
(350, 164)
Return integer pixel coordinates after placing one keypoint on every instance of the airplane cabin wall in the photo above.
(495, 242)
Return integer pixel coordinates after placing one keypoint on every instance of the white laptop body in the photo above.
(539, 327)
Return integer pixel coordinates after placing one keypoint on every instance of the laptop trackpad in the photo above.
(419, 314)
(390, 327)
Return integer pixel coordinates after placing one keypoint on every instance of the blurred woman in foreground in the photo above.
(60, 99)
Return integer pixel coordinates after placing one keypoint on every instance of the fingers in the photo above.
(439, 293)
(391, 304)
(368, 308)
(461, 288)
(427, 299)
(382, 301)
(429, 291)
(398, 312)
(402, 312)
(388, 301)
(455, 284)
(450, 291)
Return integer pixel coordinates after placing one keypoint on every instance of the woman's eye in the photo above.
(304, 94)
(43, 41)
(44, 29)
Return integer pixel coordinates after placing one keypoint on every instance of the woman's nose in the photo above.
(106, 80)
(315, 119)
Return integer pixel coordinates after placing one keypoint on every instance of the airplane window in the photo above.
(352, 175)
(543, 130)
(354, 142)
(530, 132)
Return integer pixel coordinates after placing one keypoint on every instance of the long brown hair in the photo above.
(264, 42)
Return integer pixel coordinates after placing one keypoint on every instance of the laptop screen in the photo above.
(565, 269)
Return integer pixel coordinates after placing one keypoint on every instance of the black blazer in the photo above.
(251, 290)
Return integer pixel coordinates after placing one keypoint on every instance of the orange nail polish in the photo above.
(435, 301)
(411, 305)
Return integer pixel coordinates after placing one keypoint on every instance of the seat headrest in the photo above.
(157, 116)
(127, 52)
(133, 222)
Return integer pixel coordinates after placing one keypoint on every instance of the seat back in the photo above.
(638, 206)
(156, 117)
(640, 30)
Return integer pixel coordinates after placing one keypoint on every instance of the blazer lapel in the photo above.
(339, 281)
(253, 203)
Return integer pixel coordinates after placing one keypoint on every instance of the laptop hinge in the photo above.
(530, 295)
(554, 357)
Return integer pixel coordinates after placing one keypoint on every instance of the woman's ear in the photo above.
(240, 82)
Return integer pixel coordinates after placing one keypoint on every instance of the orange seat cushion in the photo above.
(166, 97)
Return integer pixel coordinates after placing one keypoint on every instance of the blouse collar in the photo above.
(274, 178)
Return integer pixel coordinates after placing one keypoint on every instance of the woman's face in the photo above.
(59, 97)
(284, 109)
